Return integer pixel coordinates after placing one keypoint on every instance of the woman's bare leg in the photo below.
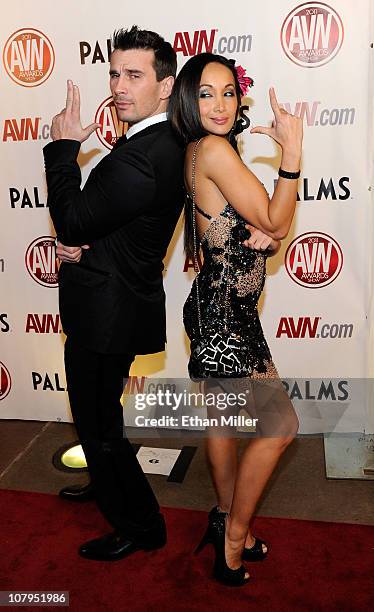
(256, 466)
(239, 487)
(222, 460)
(221, 454)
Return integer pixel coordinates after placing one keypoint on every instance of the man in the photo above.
(112, 302)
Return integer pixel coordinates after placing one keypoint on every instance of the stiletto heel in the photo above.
(206, 539)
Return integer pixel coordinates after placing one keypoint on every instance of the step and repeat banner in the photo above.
(316, 308)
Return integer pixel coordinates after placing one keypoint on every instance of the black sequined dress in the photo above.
(247, 278)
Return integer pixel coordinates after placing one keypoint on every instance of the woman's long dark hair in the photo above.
(184, 114)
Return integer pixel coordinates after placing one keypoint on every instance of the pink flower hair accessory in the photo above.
(245, 82)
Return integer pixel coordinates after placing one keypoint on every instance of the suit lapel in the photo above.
(121, 141)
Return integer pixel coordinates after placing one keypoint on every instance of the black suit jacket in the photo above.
(113, 301)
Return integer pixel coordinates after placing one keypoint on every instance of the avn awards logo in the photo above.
(41, 261)
(28, 57)
(314, 260)
(5, 381)
(111, 128)
(312, 34)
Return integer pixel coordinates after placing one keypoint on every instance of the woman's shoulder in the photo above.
(212, 148)
(212, 143)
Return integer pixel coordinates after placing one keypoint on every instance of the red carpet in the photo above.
(312, 565)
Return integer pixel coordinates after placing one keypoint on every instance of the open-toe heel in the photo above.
(230, 577)
(256, 552)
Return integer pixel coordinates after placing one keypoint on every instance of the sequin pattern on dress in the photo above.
(247, 278)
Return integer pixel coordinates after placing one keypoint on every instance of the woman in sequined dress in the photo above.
(229, 200)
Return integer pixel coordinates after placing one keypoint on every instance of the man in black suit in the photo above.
(112, 302)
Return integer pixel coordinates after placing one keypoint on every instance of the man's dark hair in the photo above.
(165, 63)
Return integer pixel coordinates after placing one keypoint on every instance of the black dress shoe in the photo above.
(78, 493)
(117, 545)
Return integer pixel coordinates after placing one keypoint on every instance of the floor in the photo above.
(298, 488)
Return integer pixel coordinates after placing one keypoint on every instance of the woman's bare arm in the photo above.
(240, 187)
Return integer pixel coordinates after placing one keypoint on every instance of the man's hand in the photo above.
(67, 124)
(260, 241)
(70, 254)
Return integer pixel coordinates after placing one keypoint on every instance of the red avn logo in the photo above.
(41, 261)
(307, 327)
(314, 260)
(111, 128)
(5, 381)
(43, 324)
(304, 327)
(312, 34)
(190, 265)
(198, 42)
(134, 385)
(28, 57)
(26, 128)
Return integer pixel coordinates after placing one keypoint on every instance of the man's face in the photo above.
(136, 92)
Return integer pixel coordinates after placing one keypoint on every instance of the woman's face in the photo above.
(217, 99)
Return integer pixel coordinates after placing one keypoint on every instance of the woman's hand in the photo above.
(260, 241)
(286, 129)
(69, 254)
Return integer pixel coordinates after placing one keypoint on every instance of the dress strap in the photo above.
(200, 210)
(195, 247)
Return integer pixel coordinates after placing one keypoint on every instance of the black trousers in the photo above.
(95, 385)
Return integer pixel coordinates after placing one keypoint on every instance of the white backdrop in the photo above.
(315, 309)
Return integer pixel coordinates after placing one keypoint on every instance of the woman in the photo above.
(227, 198)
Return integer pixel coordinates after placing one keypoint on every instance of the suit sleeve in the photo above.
(120, 188)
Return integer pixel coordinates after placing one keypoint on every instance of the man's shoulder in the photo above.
(156, 148)
(159, 137)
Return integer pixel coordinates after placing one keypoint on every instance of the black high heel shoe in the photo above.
(215, 535)
(255, 553)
